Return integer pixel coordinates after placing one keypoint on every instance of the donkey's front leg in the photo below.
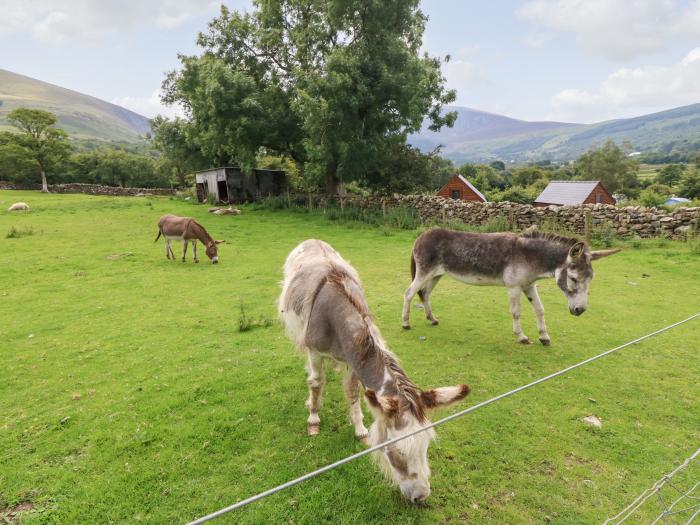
(534, 298)
(514, 297)
(316, 379)
(351, 387)
(194, 249)
(184, 249)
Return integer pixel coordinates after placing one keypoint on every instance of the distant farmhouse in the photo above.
(562, 192)
(231, 185)
(461, 189)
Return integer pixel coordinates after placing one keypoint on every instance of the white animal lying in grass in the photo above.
(18, 206)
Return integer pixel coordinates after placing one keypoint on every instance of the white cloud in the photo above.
(149, 106)
(617, 29)
(88, 20)
(462, 73)
(630, 91)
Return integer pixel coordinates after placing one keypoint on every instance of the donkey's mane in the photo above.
(547, 236)
(339, 277)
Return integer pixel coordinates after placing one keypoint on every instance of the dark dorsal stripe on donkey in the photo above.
(325, 312)
(186, 229)
(503, 259)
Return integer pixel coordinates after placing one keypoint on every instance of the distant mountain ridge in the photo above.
(82, 116)
(486, 137)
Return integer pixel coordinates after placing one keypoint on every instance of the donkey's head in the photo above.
(406, 462)
(212, 251)
(575, 275)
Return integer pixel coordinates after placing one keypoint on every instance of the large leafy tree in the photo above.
(336, 85)
(38, 140)
(612, 166)
(179, 155)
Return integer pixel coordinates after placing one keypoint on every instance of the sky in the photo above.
(566, 60)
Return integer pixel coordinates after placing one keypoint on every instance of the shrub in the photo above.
(15, 233)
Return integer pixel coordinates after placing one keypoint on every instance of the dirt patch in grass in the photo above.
(12, 514)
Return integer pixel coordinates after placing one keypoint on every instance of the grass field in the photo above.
(128, 393)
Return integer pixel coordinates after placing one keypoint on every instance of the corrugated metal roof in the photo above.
(472, 187)
(566, 192)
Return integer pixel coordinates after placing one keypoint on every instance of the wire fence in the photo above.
(689, 509)
(442, 421)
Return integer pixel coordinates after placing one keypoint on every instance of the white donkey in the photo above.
(325, 312)
(503, 259)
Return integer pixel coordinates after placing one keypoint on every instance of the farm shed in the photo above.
(232, 185)
(459, 188)
(564, 192)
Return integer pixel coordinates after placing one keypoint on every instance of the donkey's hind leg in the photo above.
(194, 249)
(351, 387)
(184, 249)
(514, 297)
(316, 379)
(534, 298)
(427, 290)
(416, 286)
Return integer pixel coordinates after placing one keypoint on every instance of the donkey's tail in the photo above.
(413, 275)
(159, 234)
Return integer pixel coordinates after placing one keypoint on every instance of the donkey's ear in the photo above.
(219, 242)
(445, 395)
(387, 405)
(599, 254)
(577, 250)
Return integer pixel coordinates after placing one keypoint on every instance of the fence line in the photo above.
(628, 511)
(442, 421)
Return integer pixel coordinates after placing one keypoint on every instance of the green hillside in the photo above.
(82, 116)
(664, 131)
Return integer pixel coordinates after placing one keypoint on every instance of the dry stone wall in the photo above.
(91, 189)
(625, 221)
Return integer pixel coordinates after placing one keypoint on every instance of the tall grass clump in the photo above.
(16, 233)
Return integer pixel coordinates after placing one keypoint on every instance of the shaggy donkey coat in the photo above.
(503, 259)
(324, 310)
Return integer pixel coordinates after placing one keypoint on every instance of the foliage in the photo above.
(179, 156)
(670, 174)
(38, 141)
(611, 165)
(689, 185)
(334, 85)
(651, 198)
(113, 167)
(515, 194)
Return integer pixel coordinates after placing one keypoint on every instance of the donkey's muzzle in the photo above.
(577, 310)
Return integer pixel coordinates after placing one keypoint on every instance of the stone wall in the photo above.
(91, 189)
(625, 221)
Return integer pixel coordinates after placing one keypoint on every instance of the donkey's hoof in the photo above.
(196, 261)
(434, 322)
(545, 342)
(363, 438)
(406, 326)
(525, 341)
(313, 429)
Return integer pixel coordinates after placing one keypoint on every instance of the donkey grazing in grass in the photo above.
(503, 259)
(186, 229)
(324, 311)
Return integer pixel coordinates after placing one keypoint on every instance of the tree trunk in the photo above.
(44, 184)
(331, 181)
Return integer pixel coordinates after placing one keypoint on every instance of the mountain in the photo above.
(486, 137)
(82, 116)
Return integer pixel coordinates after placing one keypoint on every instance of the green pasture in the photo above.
(129, 395)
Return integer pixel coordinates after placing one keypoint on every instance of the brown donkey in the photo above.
(325, 312)
(503, 259)
(186, 229)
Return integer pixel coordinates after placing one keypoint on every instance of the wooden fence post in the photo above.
(587, 225)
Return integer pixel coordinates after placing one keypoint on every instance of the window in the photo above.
(456, 195)
(598, 198)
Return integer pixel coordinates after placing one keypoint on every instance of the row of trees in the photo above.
(38, 150)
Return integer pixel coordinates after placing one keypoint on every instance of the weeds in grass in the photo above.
(15, 233)
(693, 240)
(636, 242)
(603, 234)
(247, 323)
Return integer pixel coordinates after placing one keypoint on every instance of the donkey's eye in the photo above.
(575, 281)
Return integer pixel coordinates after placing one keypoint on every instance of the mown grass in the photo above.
(128, 393)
